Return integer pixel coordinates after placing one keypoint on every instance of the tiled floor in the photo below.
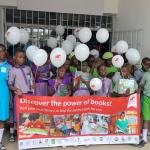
(13, 146)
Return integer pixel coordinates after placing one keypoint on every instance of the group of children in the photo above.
(71, 79)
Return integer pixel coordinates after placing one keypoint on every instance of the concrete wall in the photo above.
(94, 7)
(111, 6)
(135, 14)
(8, 2)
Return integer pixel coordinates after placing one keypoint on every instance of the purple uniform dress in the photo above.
(41, 81)
(83, 89)
(20, 77)
(106, 87)
(69, 77)
(62, 87)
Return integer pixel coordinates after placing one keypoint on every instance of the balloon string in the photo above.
(60, 41)
(36, 72)
(56, 73)
(81, 67)
(13, 51)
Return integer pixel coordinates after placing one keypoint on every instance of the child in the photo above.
(20, 80)
(106, 89)
(74, 64)
(60, 86)
(138, 74)
(93, 64)
(126, 85)
(41, 81)
(4, 92)
(110, 69)
(81, 81)
(145, 84)
(69, 74)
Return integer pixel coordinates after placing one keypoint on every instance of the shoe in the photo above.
(142, 144)
(2, 147)
(11, 138)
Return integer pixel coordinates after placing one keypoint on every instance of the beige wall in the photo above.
(111, 6)
(135, 14)
(8, 2)
(94, 7)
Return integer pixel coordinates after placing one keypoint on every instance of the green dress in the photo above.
(122, 124)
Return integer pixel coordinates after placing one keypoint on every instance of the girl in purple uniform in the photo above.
(20, 79)
(69, 74)
(42, 75)
(61, 85)
(81, 81)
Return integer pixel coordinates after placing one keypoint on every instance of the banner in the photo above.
(71, 121)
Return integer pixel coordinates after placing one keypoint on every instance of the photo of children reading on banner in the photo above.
(94, 124)
(65, 125)
(123, 123)
(34, 124)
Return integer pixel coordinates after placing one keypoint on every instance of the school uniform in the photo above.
(20, 77)
(4, 91)
(145, 83)
(106, 87)
(41, 83)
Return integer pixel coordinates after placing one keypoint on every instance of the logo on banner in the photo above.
(132, 101)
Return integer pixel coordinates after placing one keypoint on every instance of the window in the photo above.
(41, 24)
(52, 18)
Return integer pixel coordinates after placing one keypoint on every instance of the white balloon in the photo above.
(102, 35)
(24, 36)
(13, 35)
(121, 47)
(133, 56)
(52, 42)
(67, 46)
(60, 30)
(95, 84)
(31, 50)
(58, 57)
(40, 57)
(76, 32)
(118, 61)
(72, 39)
(95, 53)
(82, 52)
(85, 34)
